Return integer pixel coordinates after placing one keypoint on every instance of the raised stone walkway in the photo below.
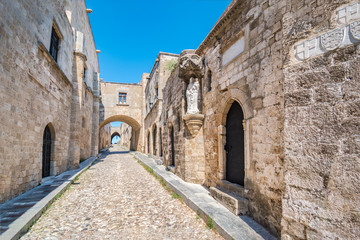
(118, 199)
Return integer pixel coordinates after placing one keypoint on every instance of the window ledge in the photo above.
(53, 62)
(119, 104)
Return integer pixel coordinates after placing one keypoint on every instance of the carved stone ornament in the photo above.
(194, 123)
(332, 40)
(355, 30)
(190, 64)
(192, 96)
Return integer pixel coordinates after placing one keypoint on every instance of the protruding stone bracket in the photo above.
(194, 123)
(190, 65)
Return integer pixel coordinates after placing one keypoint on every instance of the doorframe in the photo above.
(52, 151)
(222, 138)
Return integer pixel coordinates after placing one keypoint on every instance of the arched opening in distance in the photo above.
(47, 150)
(235, 150)
(115, 138)
(154, 140)
(135, 143)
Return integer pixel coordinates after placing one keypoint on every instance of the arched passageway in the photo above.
(115, 134)
(136, 127)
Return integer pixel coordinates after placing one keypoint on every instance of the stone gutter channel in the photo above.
(199, 200)
(18, 214)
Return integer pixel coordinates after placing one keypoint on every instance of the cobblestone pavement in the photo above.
(117, 199)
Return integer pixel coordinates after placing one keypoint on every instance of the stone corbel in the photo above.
(194, 122)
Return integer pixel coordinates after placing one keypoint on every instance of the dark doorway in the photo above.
(154, 141)
(160, 143)
(235, 164)
(172, 146)
(46, 156)
(148, 142)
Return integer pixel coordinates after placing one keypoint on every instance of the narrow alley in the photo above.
(118, 199)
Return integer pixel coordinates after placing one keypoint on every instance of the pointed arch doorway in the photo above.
(46, 154)
(235, 150)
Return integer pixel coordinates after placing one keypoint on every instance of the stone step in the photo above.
(236, 204)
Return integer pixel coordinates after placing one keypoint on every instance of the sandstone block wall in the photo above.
(105, 137)
(36, 91)
(243, 63)
(322, 194)
(172, 114)
(130, 113)
(153, 100)
(126, 134)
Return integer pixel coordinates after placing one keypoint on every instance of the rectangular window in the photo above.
(54, 44)
(122, 98)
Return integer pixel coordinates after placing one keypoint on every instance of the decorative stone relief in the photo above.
(348, 13)
(333, 39)
(190, 64)
(339, 37)
(336, 38)
(192, 95)
(355, 30)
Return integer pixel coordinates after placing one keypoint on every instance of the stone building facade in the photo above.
(123, 102)
(153, 94)
(265, 112)
(105, 137)
(126, 136)
(50, 91)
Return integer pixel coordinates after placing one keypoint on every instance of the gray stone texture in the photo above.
(321, 198)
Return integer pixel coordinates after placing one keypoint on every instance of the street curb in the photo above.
(226, 224)
(21, 225)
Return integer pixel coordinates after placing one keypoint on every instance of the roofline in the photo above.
(136, 84)
(159, 54)
(225, 17)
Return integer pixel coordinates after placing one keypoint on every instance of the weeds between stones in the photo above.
(210, 224)
(162, 181)
(198, 214)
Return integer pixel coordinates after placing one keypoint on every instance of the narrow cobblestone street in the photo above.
(118, 199)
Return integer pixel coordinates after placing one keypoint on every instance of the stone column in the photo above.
(75, 118)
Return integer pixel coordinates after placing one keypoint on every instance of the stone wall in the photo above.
(37, 91)
(105, 137)
(172, 113)
(243, 63)
(126, 134)
(153, 100)
(322, 103)
(130, 112)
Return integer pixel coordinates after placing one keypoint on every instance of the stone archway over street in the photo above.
(123, 103)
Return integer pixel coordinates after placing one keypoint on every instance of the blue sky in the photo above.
(130, 34)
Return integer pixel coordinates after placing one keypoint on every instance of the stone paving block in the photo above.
(197, 198)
